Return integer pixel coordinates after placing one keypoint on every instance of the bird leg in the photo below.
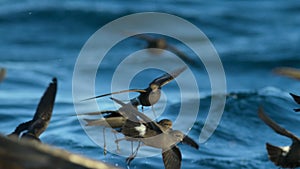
(131, 147)
(104, 140)
(127, 139)
(116, 138)
(120, 139)
(134, 154)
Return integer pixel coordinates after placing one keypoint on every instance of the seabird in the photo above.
(161, 43)
(42, 116)
(139, 127)
(150, 95)
(285, 157)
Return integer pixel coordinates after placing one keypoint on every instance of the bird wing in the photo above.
(145, 37)
(43, 113)
(180, 54)
(189, 141)
(275, 126)
(118, 92)
(113, 122)
(45, 106)
(297, 110)
(127, 110)
(166, 78)
(289, 72)
(296, 98)
(20, 128)
(172, 158)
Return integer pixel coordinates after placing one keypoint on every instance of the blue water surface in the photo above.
(42, 39)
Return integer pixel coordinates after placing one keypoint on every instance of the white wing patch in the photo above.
(285, 150)
(141, 129)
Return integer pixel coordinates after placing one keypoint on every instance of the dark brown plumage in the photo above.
(172, 158)
(297, 100)
(151, 94)
(42, 116)
(141, 128)
(111, 119)
(286, 157)
(161, 43)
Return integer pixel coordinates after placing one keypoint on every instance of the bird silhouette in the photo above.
(161, 43)
(297, 100)
(285, 157)
(42, 116)
(150, 95)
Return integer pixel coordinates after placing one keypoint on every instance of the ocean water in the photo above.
(40, 40)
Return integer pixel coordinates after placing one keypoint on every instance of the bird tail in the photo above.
(275, 154)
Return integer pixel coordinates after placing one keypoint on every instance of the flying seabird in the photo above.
(161, 43)
(285, 157)
(150, 95)
(42, 116)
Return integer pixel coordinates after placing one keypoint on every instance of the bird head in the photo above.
(155, 87)
(166, 124)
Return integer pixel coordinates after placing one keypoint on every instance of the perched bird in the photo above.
(285, 157)
(139, 127)
(161, 43)
(289, 72)
(297, 100)
(152, 93)
(42, 116)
